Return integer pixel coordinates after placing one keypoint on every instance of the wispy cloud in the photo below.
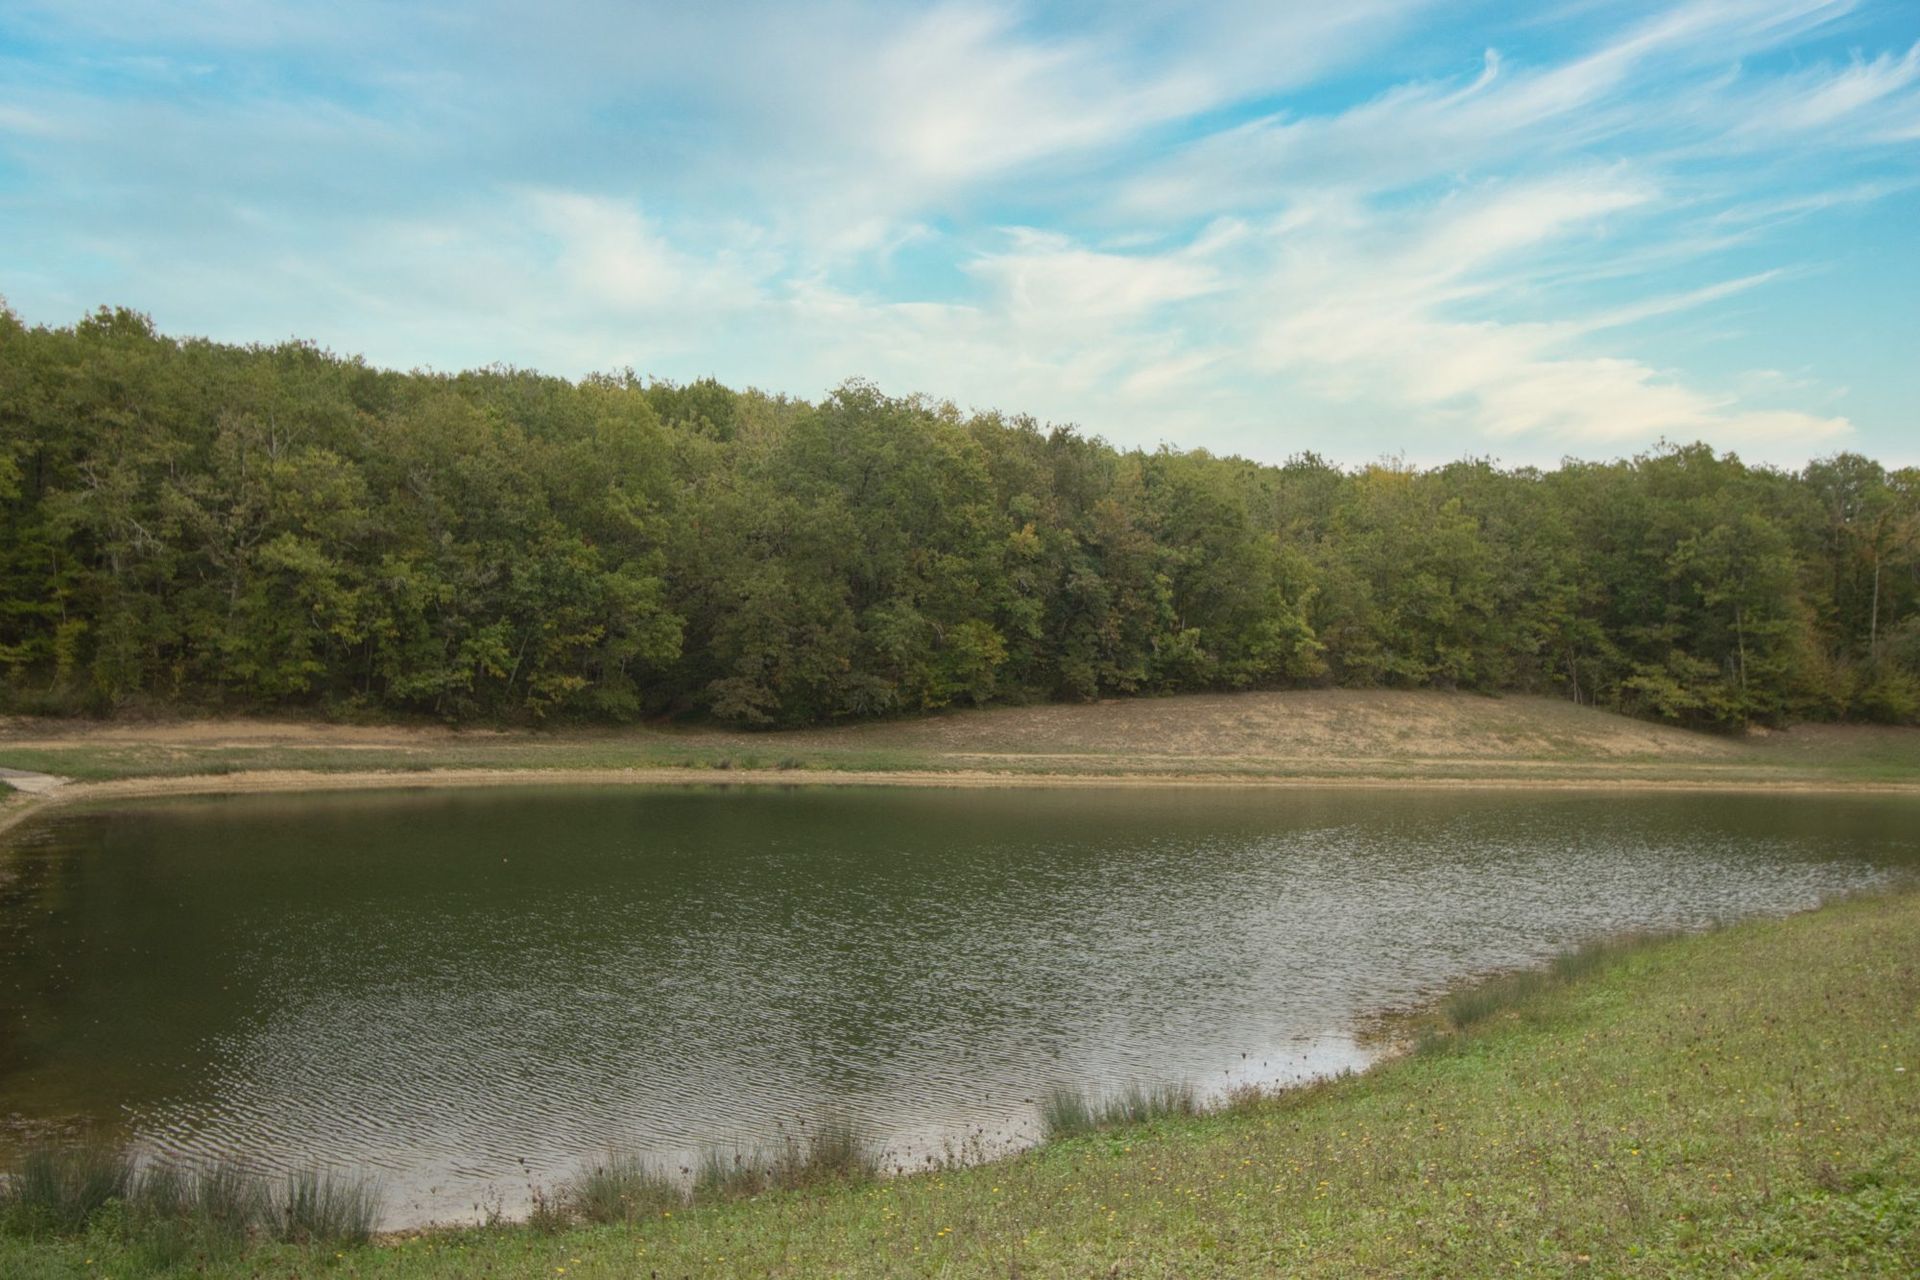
(1221, 224)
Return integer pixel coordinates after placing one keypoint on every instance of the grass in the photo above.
(57, 1190)
(162, 1216)
(832, 1150)
(1071, 1113)
(322, 1207)
(1738, 1102)
(621, 1188)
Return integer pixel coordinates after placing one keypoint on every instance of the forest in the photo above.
(191, 525)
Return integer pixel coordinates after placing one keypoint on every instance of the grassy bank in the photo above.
(1741, 1101)
(1318, 735)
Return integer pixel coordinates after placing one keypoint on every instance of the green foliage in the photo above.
(187, 523)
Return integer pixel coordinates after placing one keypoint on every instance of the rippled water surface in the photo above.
(471, 992)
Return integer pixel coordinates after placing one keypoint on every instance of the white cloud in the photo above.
(608, 253)
(1361, 322)
(1046, 279)
(789, 196)
(1867, 101)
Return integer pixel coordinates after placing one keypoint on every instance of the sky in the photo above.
(1373, 228)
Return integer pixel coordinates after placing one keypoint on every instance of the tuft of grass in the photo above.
(547, 1214)
(1492, 996)
(168, 1213)
(57, 1189)
(731, 1174)
(218, 1199)
(1588, 959)
(835, 1150)
(621, 1187)
(1067, 1112)
(317, 1206)
(175, 1218)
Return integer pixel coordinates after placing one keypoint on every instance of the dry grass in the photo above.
(1308, 735)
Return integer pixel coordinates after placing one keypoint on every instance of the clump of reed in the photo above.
(55, 1189)
(217, 1200)
(318, 1206)
(831, 1149)
(621, 1187)
(1483, 1000)
(1067, 1112)
(170, 1210)
(834, 1149)
(725, 1175)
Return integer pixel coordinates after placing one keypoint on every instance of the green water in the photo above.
(472, 992)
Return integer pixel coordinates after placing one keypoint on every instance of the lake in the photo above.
(473, 992)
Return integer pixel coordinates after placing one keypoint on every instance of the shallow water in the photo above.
(473, 992)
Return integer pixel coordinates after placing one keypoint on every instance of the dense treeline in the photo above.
(188, 523)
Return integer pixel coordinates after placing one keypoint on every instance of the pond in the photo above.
(471, 993)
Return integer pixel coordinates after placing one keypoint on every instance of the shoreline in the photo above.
(23, 806)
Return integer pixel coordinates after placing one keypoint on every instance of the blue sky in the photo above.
(1367, 228)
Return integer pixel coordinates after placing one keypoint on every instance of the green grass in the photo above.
(314, 1206)
(1739, 1102)
(155, 1218)
(1072, 1113)
(621, 1188)
(56, 1190)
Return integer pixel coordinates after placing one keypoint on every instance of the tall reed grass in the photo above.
(67, 1189)
(622, 1187)
(1068, 1112)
